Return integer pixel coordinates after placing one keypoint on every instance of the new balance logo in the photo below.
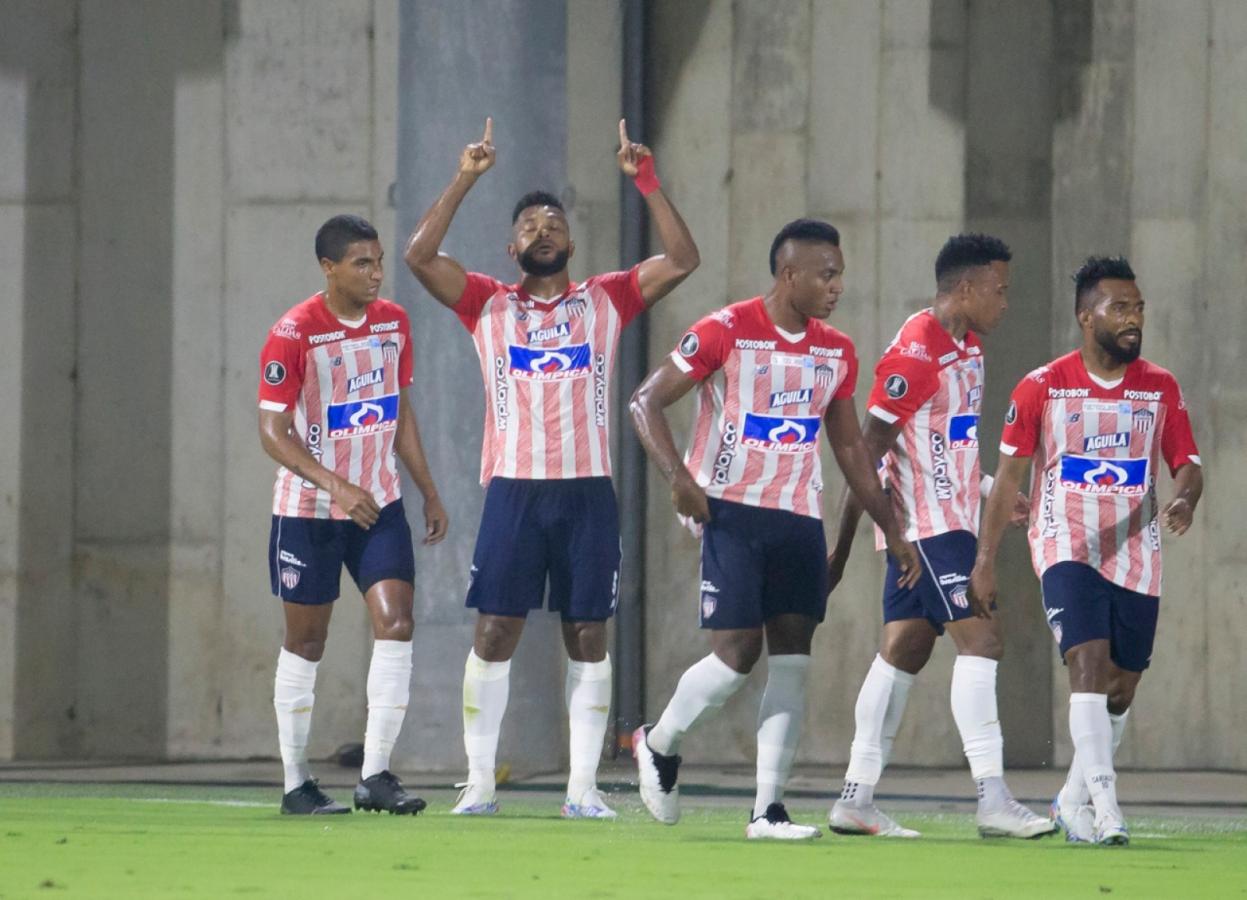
(1053, 613)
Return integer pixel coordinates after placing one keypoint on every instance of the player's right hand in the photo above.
(358, 504)
(689, 499)
(476, 158)
(906, 555)
(981, 591)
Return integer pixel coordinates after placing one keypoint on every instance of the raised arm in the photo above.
(997, 513)
(410, 450)
(663, 387)
(879, 437)
(442, 276)
(658, 275)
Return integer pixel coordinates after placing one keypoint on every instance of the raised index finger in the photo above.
(623, 133)
(489, 130)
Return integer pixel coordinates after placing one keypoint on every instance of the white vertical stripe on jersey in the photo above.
(747, 373)
(613, 326)
(355, 447)
(1058, 433)
(324, 382)
(498, 347)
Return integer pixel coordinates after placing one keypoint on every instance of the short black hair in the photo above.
(804, 230)
(1094, 270)
(962, 252)
(535, 198)
(340, 232)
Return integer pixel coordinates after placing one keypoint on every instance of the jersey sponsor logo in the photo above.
(383, 326)
(743, 344)
(786, 398)
(274, 372)
(1012, 415)
(950, 356)
(556, 364)
(1149, 396)
(796, 362)
(939, 467)
(1047, 510)
(389, 351)
(1068, 393)
(896, 386)
(780, 434)
(356, 418)
(326, 337)
(916, 350)
(960, 597)
(1107, 407)
(368, 343)
(973, 351)
(365, 379)
(1143, 420)
(561, 330)
(599, 390)
(963, 432)
(1094, 442)
(829, 352)
(727, 453)
(287, 328)
(289, 577)
(1092, 475)
(313, 447)
(689, 344)
(501, 393)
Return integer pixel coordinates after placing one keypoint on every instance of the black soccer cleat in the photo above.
(384, 791)
(309, 800)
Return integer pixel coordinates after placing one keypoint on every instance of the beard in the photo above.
(532, 266)
(1108, 342)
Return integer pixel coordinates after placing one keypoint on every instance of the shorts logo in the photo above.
(361, 417)
(561, 330)
(1012, 415)
(786, 398)
(953, 578)
(1053, 623)
(780, 434)
(287, 557)
(290, 577)
(896, 386)
(550, 365)
(1143, 420)
(963, 432)
(1091, 475)
(689, 344)
(274, 373)
(1095, 442)
(365, 379)
(959, 597)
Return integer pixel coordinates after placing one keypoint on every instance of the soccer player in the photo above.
(770, 375)
(547, 348)
(1097, 422)
(334, 411)
(923, 424)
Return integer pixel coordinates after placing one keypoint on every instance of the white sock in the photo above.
(703, 689)
(294, 693)
(973, 698)
(880, 706)
(780, 718)
(389, 687)
(587, 689)
(1075, 792)
(1092, 733)
(486, 688)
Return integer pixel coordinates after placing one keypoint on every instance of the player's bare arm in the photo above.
(879, 437)
(658, 275)
(858, 461)
(279, 441)
(410, 450)
(997, 514)
(664, 386)
(1180, 511)
(442, 276)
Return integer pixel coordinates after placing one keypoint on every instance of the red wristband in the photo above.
(646, 179)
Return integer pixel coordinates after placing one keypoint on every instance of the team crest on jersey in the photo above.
(1143, 420)
(389, 351)
(274, 373)
(824, 374)
(780, 434)
(290, 577)
(1093, 475)
(963, 432)
(689, 344)
(365, 379)
(360, 417)
(555, 364)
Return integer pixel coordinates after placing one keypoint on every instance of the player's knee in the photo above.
(740, 655)
(311, 649)
(496, 638)
(1120, 696)
(397, 628)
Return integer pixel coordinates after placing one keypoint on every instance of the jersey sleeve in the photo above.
(849, 384)
(1177, 441)
(406, 374)
(624, 289)
(476, 293)
(902, 385)
(703, 349)
(281, 369)
(1023, 418)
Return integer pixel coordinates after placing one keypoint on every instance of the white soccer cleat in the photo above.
(1110, 831)
(590, 806)
(1013, 820)
(774, 825)
(1078, 822)
(475, 800)
(656, 776)
(846, 818)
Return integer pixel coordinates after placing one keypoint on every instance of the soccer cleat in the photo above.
(774, 825)
(384, 791)
(591, 806)
(309, 800)
(846, 818)
(656, 774)
(475, 800)
(1110, 831)
(1013, 820)
(1078, 822)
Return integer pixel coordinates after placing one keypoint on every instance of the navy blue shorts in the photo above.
(563, 529)
(759, 563)
(1082, 605)
(940, 594)
(305, 556)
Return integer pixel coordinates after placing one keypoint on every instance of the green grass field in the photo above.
(159, 841)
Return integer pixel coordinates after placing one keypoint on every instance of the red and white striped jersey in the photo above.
(760, 405)
(933, 386)
(343, 381)
(547, 369)
(1096, 449)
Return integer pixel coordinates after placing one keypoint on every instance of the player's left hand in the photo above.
(906, 555)
(1177, 515)
(981, 591)
(436, 522)
(629, 153)
(1021, 511)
